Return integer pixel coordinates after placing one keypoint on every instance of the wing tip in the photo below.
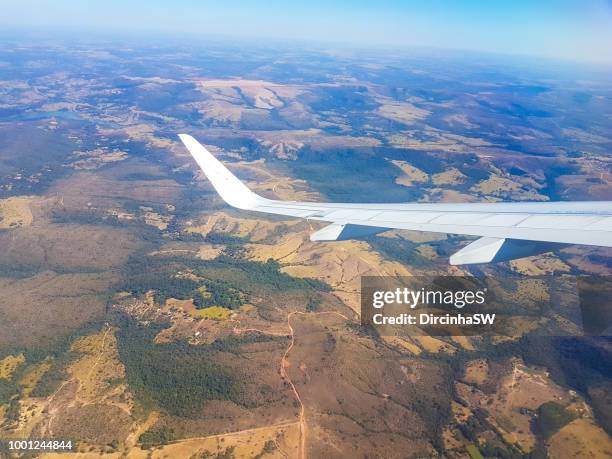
(231, 189)
(193, 146)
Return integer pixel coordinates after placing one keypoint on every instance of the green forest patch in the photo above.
(226, 281)
(178, 377)
(551, 418)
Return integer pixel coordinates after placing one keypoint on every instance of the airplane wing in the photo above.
(506, 230)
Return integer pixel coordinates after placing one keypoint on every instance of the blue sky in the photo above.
(569, 29)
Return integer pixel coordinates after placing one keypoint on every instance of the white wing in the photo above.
(507, 230)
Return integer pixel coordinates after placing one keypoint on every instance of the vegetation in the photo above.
(268, 448)
(212, 312)
(269, 274)
(217, 293)
(335, 174)
(8, 390)
(474, 425)
(313, 304)
(54, 376)
(227, 453)
(474, 452)
(552, 417)
(12, 412)
(224, 239)
(399, 249)
(176, 376)
(164, 282)
(86, 217)
(155, 437)
(501, 450)
(578, 362)
(61, 356)
(221, 278)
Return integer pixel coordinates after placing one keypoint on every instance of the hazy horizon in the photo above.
(564, 29)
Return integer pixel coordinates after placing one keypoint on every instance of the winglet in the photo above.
(229, 187)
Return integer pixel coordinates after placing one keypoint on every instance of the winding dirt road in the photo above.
(284, 364)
